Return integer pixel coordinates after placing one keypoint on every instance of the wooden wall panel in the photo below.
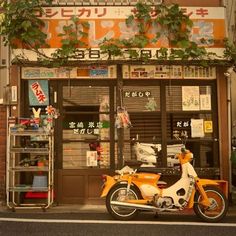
(80, 186)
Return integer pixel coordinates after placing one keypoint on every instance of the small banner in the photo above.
(38, 93)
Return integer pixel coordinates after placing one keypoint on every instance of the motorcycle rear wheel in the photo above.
(119, 193)
(218, 208)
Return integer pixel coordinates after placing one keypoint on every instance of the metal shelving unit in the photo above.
(30, 185)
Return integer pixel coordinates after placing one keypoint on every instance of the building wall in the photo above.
(231, 30)
(3, 131)
(15, 76)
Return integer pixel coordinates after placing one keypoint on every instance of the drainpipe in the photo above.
(229, 104)
(8, 113)
(229, 97)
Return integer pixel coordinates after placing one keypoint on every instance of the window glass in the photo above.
(86, 127)
(141, 98)
(188, 98)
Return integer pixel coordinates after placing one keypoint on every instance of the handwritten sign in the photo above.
(38, 93)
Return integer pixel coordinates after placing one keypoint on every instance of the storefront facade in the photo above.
(164, 101)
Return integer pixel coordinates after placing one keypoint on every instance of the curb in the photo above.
(92, 209)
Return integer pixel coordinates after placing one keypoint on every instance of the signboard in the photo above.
(167, 72)
(75, 72)
(38, 93)
(108, 22)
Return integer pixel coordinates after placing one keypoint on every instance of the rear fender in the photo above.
(110, 182)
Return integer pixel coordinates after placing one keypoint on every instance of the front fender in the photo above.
(205, 182)
(110, 182)
(199, 184)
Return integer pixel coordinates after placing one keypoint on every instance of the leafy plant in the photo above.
(22, 28)
(168, 22)
(70, 40)
(230, 51)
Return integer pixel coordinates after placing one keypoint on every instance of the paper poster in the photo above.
(208, 127)
(190, 98)
(38, 93)
(197, 128)
(205, 102)
(91, 157)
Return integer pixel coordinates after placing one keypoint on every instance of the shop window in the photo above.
(191, 113)
(188, 98)
(143, 105)
(86, 127)
(141, 98)
(188, 111)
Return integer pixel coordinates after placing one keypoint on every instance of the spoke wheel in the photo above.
(119, 193)
(218, 208)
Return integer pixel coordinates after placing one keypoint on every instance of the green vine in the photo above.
(169, 22)
(70, 42)
(21, 28)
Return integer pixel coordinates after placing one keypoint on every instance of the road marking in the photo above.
(118, 222)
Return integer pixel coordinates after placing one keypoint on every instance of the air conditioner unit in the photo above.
(3, 53)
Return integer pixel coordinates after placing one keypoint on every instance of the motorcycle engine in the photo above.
(163, 202)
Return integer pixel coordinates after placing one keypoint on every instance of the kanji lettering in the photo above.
(71, 125)
(202, 12)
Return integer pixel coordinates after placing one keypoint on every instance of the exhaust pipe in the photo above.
(141, 207)
(133, 205)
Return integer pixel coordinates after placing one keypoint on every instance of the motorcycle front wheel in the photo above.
(218, 208)
(119, 193)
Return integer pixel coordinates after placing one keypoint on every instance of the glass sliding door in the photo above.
(86, 127)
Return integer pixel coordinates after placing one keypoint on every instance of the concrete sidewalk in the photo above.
(75, 208)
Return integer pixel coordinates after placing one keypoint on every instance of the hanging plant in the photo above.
(168, 22)
(72, 36)
(21, 26)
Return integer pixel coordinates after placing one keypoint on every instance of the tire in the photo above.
(118, 193)
(218, 208)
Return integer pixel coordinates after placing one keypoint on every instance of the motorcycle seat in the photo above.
(153, 170)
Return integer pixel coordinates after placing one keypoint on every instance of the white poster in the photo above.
(91, 157)
(205, 102)
(190, 98)
(197, 128)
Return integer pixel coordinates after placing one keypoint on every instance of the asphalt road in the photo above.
(101, 224)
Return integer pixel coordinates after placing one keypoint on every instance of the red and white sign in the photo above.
(38, 92)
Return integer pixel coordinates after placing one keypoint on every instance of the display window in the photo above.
(86, 127)
(172, 115)
(160, 111)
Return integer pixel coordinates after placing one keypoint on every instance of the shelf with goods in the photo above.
(30, 168)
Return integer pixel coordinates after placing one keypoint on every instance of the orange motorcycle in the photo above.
(131, 191)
